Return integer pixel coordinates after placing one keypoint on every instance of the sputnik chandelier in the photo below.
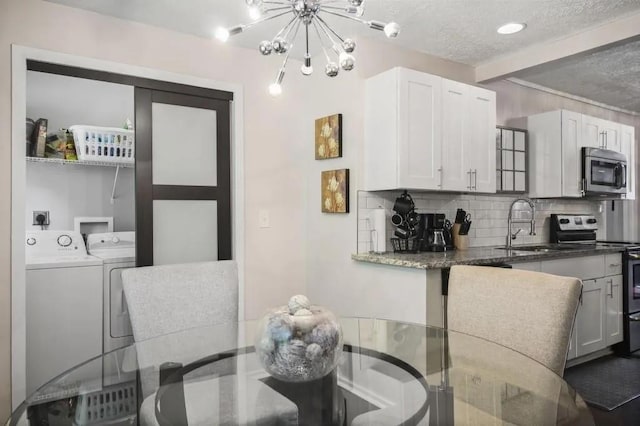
(310, 14)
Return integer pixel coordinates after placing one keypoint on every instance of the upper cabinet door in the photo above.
(456, 148)
(611, 135)
(572, 131)
(481, 113)
(592, 132)
(628, 148)
(419, 127)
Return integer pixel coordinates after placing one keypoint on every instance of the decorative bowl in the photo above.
(299, 342)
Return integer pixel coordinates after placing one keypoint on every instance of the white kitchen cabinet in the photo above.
(554, 154)
(403, 110)
(425, 132)
(456, 172)
(481, 139)
(628, 148)
(613, 306)
(599, 133)
(556, 139)
(468, 138)
(592, 132)
(590, 318)
(598, 322)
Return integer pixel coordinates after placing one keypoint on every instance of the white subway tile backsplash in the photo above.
(488, 213)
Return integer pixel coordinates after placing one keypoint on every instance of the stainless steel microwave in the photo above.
(604, 172)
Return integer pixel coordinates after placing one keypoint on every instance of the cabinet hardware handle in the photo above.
(441, 181)
(475, 179)
(634, 317)
(611, 288)
(614, 265)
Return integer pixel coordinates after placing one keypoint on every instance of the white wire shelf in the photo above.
(79, 162)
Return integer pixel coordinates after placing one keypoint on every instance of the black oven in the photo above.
(604, 172)
(631, 301)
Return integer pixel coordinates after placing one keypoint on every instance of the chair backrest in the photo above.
(530, 312)
(169, 298)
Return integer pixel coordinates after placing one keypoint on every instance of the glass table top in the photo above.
(389, 373)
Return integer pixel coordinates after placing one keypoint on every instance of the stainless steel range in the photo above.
(581, 229)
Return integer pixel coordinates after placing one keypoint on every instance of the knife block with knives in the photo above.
(460, 230)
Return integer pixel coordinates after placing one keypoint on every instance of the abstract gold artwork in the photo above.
(329, 137)
(335, 191)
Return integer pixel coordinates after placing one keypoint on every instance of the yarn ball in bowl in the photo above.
(299, 342)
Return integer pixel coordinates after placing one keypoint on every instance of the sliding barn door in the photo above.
(183, 178)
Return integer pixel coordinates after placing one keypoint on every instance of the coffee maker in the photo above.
(437, 233)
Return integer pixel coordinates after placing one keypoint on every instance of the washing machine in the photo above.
(63, 306)
(117, 250)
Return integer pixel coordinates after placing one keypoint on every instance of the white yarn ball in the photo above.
(298, 302)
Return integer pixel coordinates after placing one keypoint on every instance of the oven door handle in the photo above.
(634, 317)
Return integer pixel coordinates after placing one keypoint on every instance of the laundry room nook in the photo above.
(80, 222)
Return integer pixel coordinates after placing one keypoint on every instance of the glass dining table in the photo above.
(389, 373)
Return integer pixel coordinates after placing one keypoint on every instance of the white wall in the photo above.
(69, 191)
(66, 101)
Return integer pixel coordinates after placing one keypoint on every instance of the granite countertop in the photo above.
(477, 256)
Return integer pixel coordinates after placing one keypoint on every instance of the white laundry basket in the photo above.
(113, 405)
(108, 144)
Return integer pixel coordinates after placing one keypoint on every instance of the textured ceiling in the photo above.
(460, 30)
(610, 76)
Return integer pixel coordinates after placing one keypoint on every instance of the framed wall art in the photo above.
(335, 191)
(328, 141)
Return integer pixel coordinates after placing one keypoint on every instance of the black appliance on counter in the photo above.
(437, 236)
(581, 229)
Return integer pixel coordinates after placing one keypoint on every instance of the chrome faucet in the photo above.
(512, 236)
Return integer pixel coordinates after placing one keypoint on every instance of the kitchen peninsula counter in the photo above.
(478, 256)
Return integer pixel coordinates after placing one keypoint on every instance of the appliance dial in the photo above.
(31, 241)
(115, 240)
(64, 240)
(564, 221)
(591, 221)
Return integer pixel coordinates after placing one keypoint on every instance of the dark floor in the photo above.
(625, 415)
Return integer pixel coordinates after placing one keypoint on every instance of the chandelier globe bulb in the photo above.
(392, 30)
(332, 69)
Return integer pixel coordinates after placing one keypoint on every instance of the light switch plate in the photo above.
(263, 219)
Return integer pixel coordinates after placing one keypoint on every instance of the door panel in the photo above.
(482, 139)
(614, 309)
(455, 170)
(184, 145)
(591, 132)
(183, 178)
(184, 231)
(419, 129)
(571, 154)
(590, 318)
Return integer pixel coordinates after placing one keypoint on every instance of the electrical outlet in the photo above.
(37, 213)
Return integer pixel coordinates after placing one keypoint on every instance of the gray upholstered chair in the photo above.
(167, 299)
(530, 312)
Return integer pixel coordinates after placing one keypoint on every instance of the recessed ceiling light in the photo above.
(511, 28)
